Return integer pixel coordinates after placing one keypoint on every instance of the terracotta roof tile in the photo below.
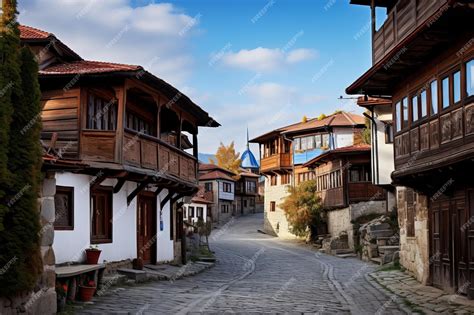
(215, 175)
(359, 148)
(28, 32)
(338, 119)
(86, 67)
(213, 167)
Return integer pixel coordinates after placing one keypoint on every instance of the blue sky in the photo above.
(256, 63)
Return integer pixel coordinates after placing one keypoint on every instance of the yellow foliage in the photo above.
(227, 158)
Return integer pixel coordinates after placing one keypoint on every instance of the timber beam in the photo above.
(137, 190)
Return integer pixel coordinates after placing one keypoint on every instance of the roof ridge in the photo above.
(31, 28)
(348, 117)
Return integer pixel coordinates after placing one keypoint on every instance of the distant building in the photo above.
(248, 160)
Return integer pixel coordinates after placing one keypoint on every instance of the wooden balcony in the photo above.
(439, 141)
(332, 198)
(275, 162)
(357, 192)
(402, 21)
(151, 153)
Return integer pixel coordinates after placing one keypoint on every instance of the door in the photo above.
(146, 228)
(441, 267)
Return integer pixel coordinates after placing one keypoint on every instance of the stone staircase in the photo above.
(380, 243)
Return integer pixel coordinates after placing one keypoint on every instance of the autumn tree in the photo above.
(303, 209)
(20, 160)
(227, 158)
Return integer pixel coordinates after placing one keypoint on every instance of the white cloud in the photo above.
(266, 59)
(299, 55)
(150, 35)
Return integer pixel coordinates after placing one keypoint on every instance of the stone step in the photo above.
(136, 275)
(347, 255)
(378, 227)
(377, 260)
(381, 233)
(388, 249)
(207, 259)
(341, 251)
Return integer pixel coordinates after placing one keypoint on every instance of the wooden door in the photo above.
(146, 228)
(458, 208)
(469, 227)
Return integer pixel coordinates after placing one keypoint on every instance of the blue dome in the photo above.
(248, 160)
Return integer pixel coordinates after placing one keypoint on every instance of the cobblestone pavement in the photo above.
(256, 273)
(427, 299)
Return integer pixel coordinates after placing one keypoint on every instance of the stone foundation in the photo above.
(414, 255)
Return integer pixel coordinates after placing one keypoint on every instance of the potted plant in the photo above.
(86, 291)
(92, 255)
(61, 293)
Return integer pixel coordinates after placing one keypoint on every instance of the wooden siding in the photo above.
(98, 145)
(276, 161)
(401, 22)
(60, 114)
(151, 153)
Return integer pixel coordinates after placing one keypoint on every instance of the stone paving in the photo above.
(427, 299)
(256, 273)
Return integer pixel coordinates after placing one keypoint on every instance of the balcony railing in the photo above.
(276, 161)
(401, 22)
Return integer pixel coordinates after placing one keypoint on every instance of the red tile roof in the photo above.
(198, 199)
(215, 175)
(249, 174)
(340, 119)
(87, 67)
(213, 167)
(28, 32)
(358, 148)
(373, 101)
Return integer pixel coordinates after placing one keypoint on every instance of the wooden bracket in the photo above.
(119, 185)
(167, 198)
(99, 179)
(158, 191)
(137, 190)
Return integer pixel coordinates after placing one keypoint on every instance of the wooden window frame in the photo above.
(272, 206)
(206, 185)
(91, 115)
(442, 92)
(70, 192)
(431, 97)
(465, 77)
(108, 237)
(200, 209)
(389, 133)
(412, 109)
(191, 211)
(226, 187)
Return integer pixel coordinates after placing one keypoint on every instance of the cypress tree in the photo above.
(20, 239)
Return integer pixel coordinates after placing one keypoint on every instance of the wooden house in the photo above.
(130, 132)
(424, 61)
(219, 188)
(285, 151)
(246, 193)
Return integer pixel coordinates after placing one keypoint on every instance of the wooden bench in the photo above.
(75, 275)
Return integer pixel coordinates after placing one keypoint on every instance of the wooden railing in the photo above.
(275, 161)
(401, 22)
(332, 197)
(365, 191)
(148, 152)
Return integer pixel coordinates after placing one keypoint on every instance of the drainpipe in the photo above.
(375, 146)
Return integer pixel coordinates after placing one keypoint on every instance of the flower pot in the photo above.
(92, 256)
(86, 293)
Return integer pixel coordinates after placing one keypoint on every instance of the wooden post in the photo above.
(121, 94)
(373, 18)
(158, 123)
(195, 145)
(178, 140)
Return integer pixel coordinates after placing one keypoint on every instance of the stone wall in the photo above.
(42, 300)
(275, 222)
(414, 251)
(339, 220)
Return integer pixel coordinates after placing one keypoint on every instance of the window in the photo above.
(252, 202)
(359, 173)
(101, 210)
(398, 114)
(388, 133)
(297, 144)
(272, 206)
(225, 208)
(317, 140)
(208, 187)
(64, 208)
(304, 144)
(273, 180)
(287, 145)
(245, 203)
(445, 92)
(470, 78)
(310, 141)
(405, 112)
(325, 143)
(285, 179)
(251, 187)
(140, 124)
(414, 108)
(227, 187)
(434, 97)
(200, 212)
(424, 104)
(191, 212)
(457, 87)
(101, 113)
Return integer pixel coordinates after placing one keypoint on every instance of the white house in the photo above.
(196, 210)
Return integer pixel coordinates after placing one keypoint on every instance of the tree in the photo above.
(227, 158)
(366, 133)
(303, 208)
(20, 109)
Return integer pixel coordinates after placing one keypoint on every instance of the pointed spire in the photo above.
(248, 144)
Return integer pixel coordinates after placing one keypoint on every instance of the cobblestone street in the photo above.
(256, 273)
